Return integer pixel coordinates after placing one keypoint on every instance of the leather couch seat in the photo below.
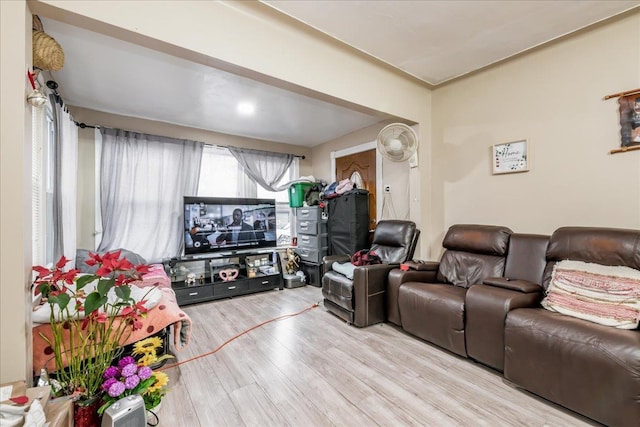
(590, 368)
(434, 312)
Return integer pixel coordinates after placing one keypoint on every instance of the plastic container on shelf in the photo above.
(296, 193)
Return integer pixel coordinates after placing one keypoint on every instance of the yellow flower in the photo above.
(162, 380)
(147, 360)
(148, 345)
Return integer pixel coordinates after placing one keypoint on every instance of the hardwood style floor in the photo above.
(315, 370)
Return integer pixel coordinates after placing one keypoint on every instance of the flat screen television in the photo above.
(216, 224)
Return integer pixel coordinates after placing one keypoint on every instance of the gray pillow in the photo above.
(82, 255)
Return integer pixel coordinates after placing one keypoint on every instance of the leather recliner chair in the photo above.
(361, 300)
(432, 305)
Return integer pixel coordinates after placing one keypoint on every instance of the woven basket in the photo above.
(47, 53)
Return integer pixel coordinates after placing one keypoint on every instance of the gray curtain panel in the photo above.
(143, 179)
(264, 167)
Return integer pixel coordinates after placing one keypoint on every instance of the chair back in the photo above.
(394, 241)
(526, 257)
(473, 253)
(605, 246)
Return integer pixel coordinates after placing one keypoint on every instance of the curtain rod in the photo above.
(253, 149)
(84, 125)
(619, 94)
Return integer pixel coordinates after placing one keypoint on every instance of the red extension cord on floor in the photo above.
(284, 316)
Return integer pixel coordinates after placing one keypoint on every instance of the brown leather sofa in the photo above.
(589, 368)
(498, 321)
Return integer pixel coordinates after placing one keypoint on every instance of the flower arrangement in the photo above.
(86, 332)
(147, 349)
(131, 376)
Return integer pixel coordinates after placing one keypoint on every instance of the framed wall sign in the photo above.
(510, 157)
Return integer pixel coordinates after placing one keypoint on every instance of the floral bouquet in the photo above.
(90, 316)
(131, 376)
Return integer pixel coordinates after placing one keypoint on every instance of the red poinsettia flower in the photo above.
(62, 262)
(89, 297)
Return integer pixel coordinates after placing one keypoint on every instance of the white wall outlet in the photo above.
(387, 189)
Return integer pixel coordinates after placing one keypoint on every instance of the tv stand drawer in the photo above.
(193, 294)
(230, 288)
(266, 282)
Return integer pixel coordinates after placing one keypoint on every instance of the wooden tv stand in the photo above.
(199, 278)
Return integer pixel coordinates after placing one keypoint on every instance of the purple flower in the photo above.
(111, 372)
(131, 382)
(127, 360)
(145, 372)
(116, 389)
(108, 383)
(129, 370)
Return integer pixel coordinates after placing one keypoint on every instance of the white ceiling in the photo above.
(432, 40)
(440, 40)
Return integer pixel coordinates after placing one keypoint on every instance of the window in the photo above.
(42, 170)
(222, 176)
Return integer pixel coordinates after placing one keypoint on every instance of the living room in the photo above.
(552, 96)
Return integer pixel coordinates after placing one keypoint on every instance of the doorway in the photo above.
(363, 165)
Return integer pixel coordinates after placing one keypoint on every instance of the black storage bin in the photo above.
(348, 225)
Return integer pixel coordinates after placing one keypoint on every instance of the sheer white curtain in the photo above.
(65, 182)
(264, 167)
(143, 179)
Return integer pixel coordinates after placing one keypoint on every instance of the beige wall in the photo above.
(395, 174)
(553, 98)
(86, 155)
(15, 190)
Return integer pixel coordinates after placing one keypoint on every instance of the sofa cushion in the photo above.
(465, 269)
(338, 289)
(481, 239)
(435, 313)
(602, 294)
(589, 368)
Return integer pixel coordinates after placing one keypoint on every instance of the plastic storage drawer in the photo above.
(313, 242)
(311, 255)
(311, 227)
(312, 213)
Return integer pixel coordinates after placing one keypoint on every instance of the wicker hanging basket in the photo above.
(47, 53)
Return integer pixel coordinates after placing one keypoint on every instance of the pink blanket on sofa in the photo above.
(166, 313)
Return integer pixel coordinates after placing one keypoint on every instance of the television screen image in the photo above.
(214, 224)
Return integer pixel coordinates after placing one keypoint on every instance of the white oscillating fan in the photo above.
(398, 143)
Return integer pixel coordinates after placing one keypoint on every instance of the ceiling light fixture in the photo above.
(246, 108)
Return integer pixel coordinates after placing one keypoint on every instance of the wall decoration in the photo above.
(510, 157)
(629, 109)
(629, 120)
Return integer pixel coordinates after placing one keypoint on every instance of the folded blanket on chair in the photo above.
(346, 269)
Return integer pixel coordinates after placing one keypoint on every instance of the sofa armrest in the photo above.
(420, 265)
(375, 276)
(523, 286)
(486, 309)
(330, 259)
(397, 277)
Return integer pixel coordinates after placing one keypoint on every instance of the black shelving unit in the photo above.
(216, 276)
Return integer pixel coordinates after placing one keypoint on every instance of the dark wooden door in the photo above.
(361, 168)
